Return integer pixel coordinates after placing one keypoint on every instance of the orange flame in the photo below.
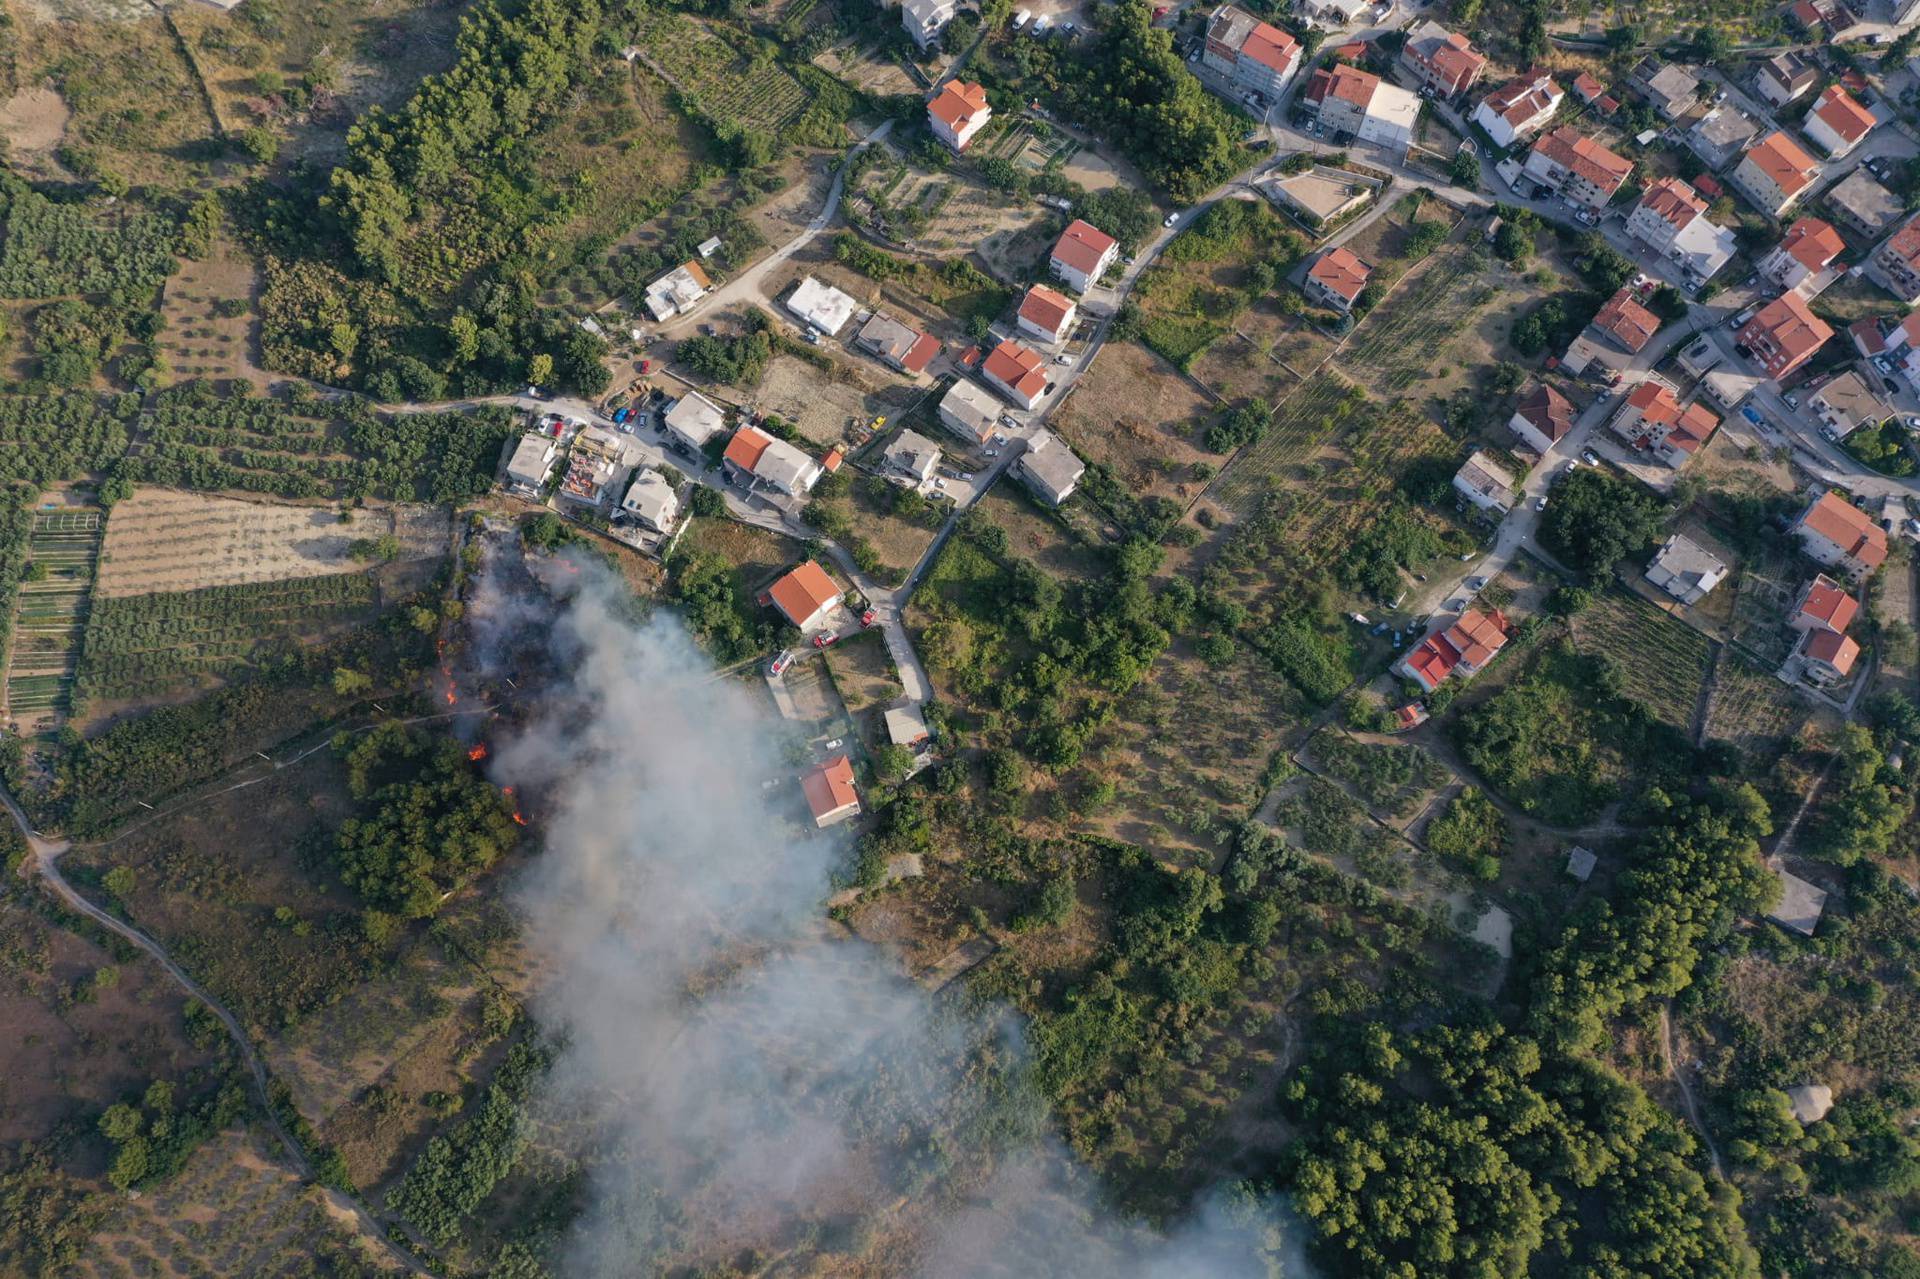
(451, 699)
(518, 819)
(478, 753)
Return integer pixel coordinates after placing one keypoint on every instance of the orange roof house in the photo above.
(1081, 253)
(745, 448)
(1652, 418)
(1461, 649)
(1812, 243)
(1832, 650)
(1337, 278)
(1017, 371)
(957, 112)
(805, 595)
(1783, 335)
(1627, 322)
(1774, 171)
(1825, 605)
(1045, 311)
(1840, 535)
(1837, 121)
(829, 790)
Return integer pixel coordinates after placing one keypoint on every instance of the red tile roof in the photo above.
(1456, 60)
(1045, 307)
(1522, 98)
(1784, 162)
(1828, 603)
(1586, 157)
(1790, 324)
(1341, 272)
(920, 354)
(1349, 84)
(1673, 202)
(1627, 322)
(958, 102)
(746, 446)
(1478, 635)
(1842, 112)
(1549, 411)
(1708, 185)
(1904, 243)
(1867, 337)
(1688, 427)
(1849, 528)
(803, 592)
(1812, 243)
(1082, 245)
(1018, 367)
(1586, 88)
(1271, 47)
(829, 787)
(1837, 651)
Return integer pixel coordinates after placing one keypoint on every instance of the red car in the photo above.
(822, 640)
(646, 367)
(868, 618)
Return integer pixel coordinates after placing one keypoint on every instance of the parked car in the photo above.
(1573, 464)
(646, 367)
(1063, 358)
(869, 617)
(1540, 504)
(779, 664)
(993, 452)
(1476, 583)
(1589, 457)
(1793, 401)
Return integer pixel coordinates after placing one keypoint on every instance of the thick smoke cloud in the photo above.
(735, 1076)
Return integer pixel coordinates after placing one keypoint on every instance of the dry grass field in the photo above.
(167, 540)
(198, 341)
(825, 407)
(1135, 414)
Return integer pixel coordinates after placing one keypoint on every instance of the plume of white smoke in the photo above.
(737, 1076)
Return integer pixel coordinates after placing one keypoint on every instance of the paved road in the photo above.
(45, 862)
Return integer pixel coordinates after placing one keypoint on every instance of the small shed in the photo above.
(906, 726)
(1800, 904)
(1580, 863)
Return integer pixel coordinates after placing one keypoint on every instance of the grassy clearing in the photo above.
(1661, 661)
(1752, 709)
(1209, 274)
(1402, 339)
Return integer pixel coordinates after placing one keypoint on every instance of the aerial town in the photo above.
(819, 638)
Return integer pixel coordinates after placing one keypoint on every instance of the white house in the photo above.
(821, 306)
(1671, 218)
(1577, 167)
(926, 19)
(677, 290)
(1541, 418)
(911, 456)
(1049, 468)
(1519, 108)
(1350, 101)
(1804, 255)
(763, 458)
(1838, 123)
(1686, 570)
(1254, 55)
(805, 595)
(1046, 314)
(969, 411)
(532, 464)
(1485, 484)
(692, 420)
(651, 501)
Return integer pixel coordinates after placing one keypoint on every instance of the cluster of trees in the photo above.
(459, 1169)
(715, 605)
(153, 1137)
(47, 1216)
(733, 361)
(1382, 773)
(48, 438)
(53, 250)
(1240, 427)
(433, 822)
(1554, 323)
(1597, 518)
(1471, 834)
(1864, 803)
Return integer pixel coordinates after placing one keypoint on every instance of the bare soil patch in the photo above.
(34, 121)
(167, 540)
(200, 342)
(827, 407)
(1134, 413)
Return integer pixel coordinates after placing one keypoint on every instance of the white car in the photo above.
(1063, 358)
(1171, 219)
(1540, 504)
(993, 452)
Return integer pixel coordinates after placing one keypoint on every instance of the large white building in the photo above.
(1671, 219)
(532, 464)
(926, 19)
(692, 420)
(1082, 255)
(1255, 56)
(677, 290)
(651, 501)
(821, 306)
(1350, 101)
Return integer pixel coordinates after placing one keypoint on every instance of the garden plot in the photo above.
(164, 540)
(1752, 709)
(1763, 597)
(756, 93)
(1662, 662)
(50, 613)
(208, 306)
(1133, 414)
(830, 408)
(868, 70)
(1405, 337)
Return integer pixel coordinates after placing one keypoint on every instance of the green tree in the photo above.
(540, 369)
(1595, 519)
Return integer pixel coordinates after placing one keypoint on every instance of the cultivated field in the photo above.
(199, 341)
(51, 613)
(756, 93)
(1405, 337)
(1661, 660)
(1752, 709)
(232, 1211)
(167, 540)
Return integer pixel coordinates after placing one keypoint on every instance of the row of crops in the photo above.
(723, 83)
(51, 609)
(1662, 662)
(1305, 420)
(1402, 342)
(144, 645)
